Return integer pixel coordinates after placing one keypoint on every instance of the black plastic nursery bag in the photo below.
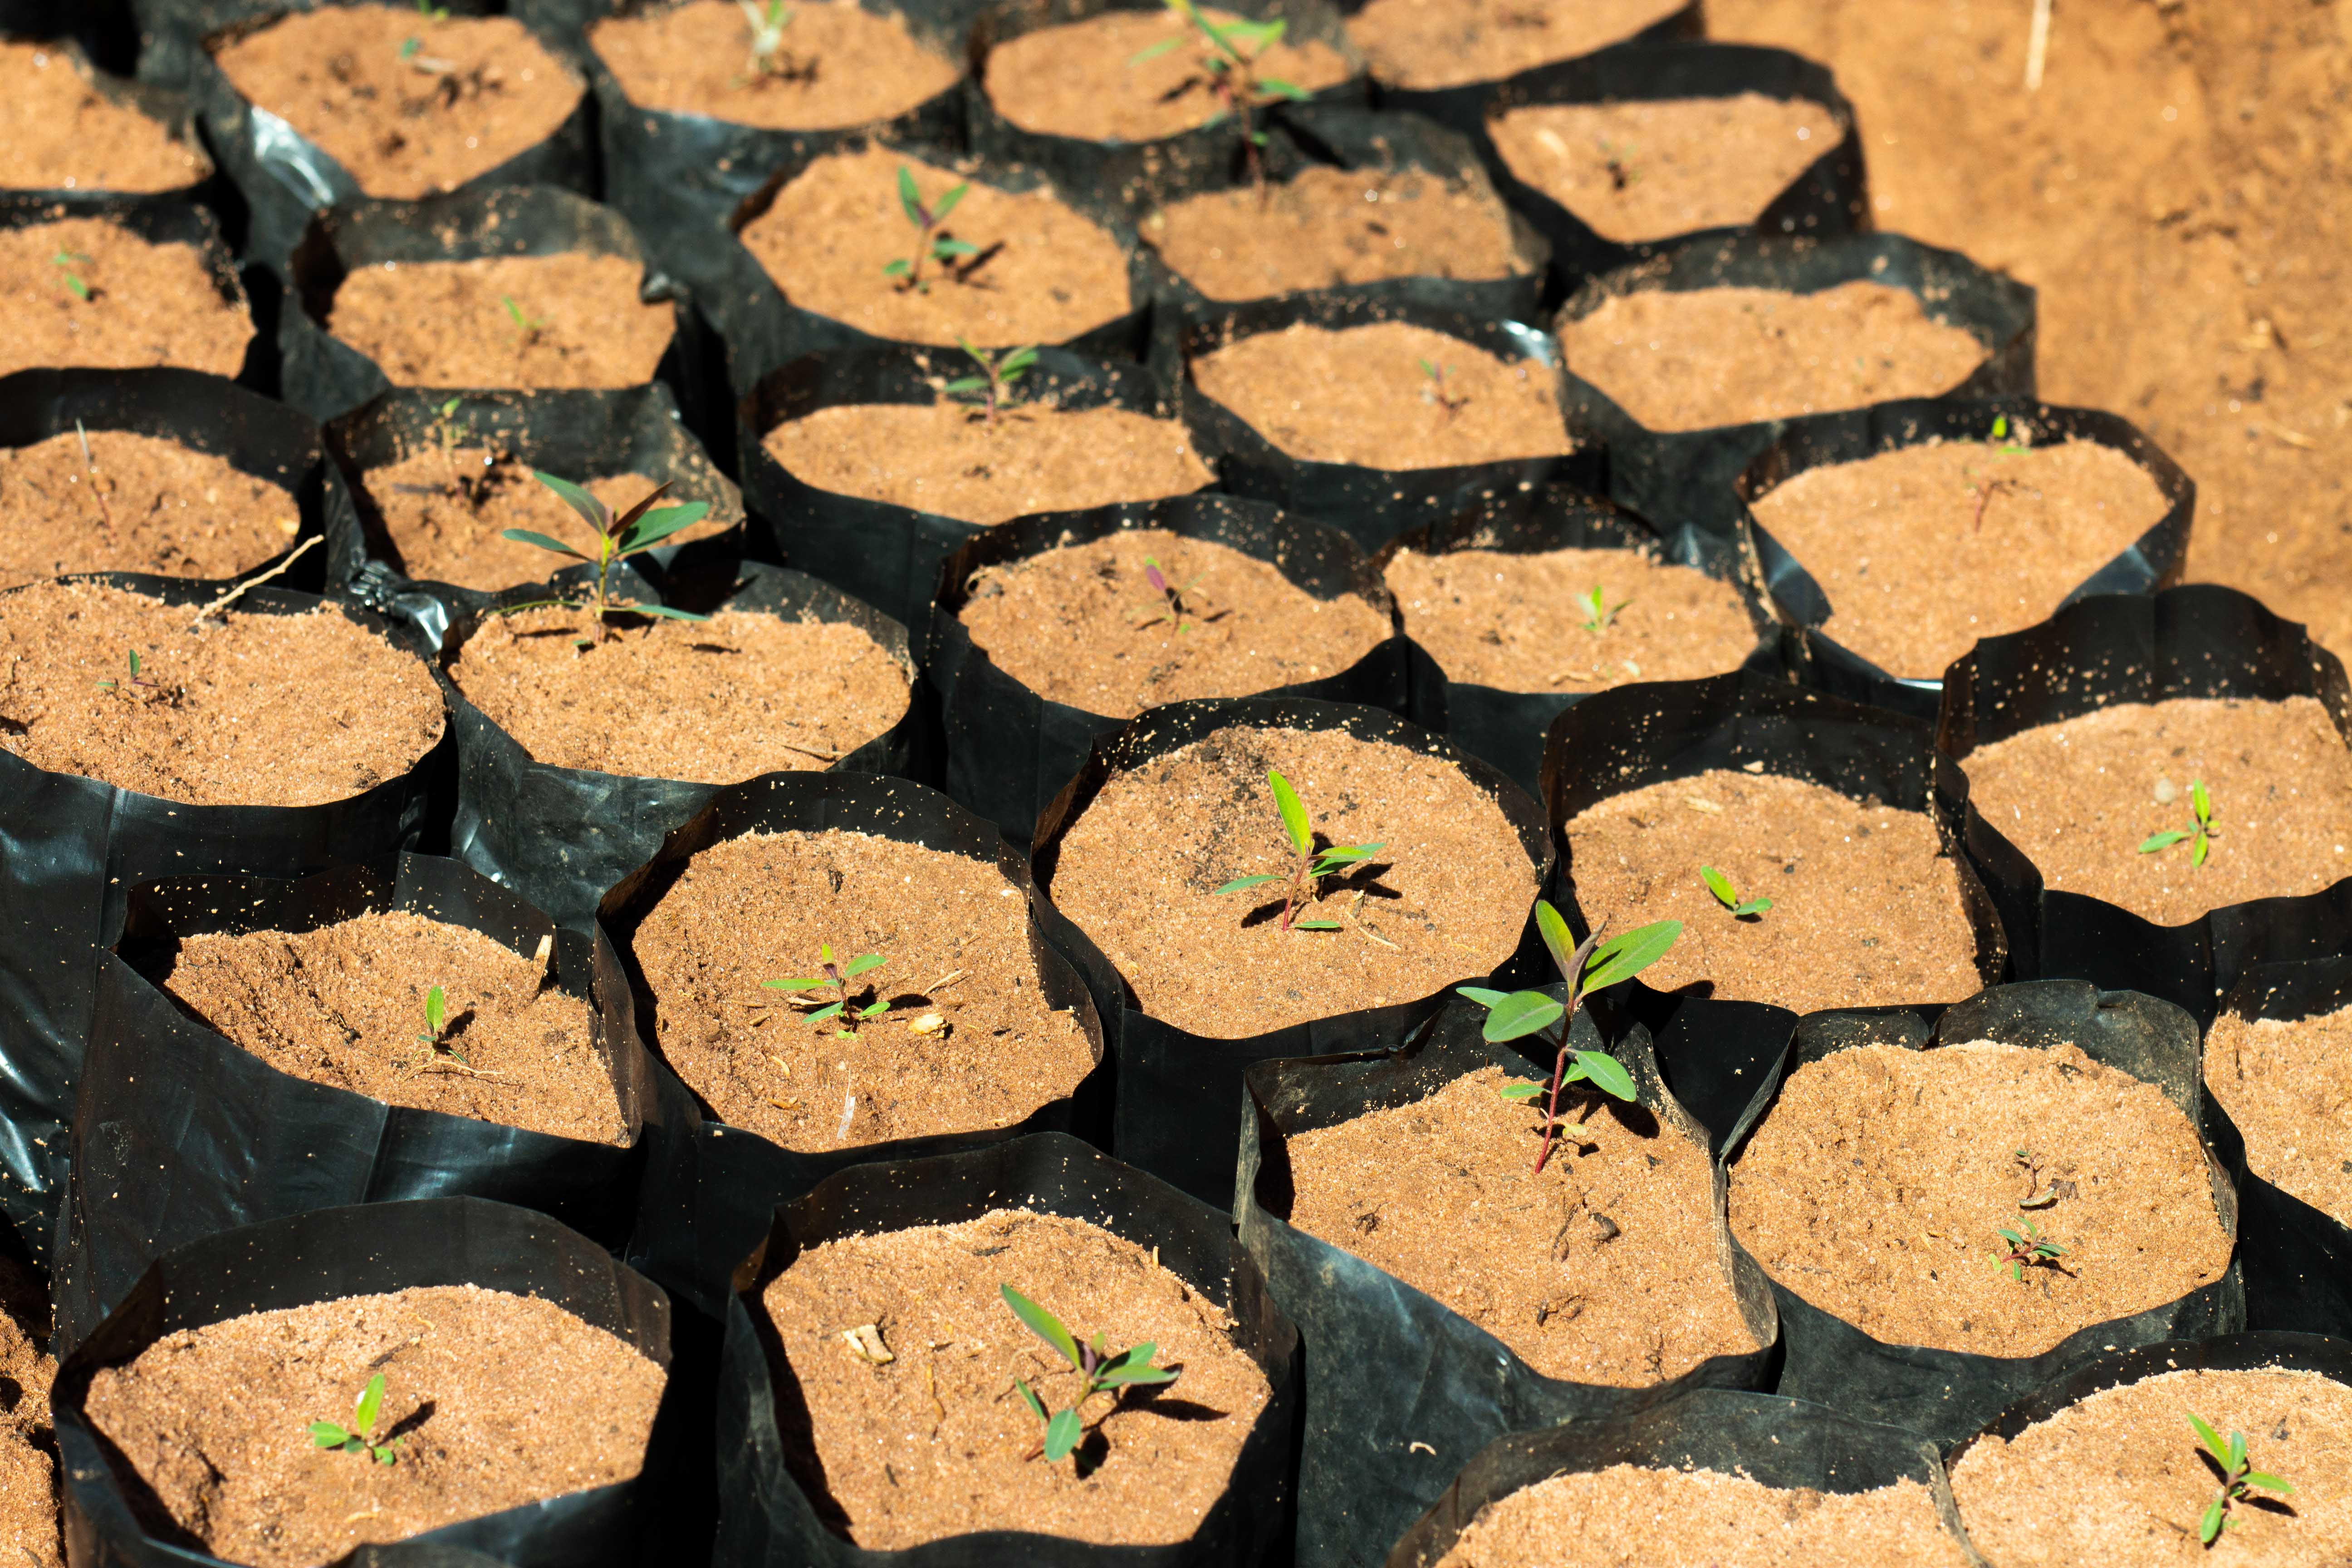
(171, 109)
(766, 1519)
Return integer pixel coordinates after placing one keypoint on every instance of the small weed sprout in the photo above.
(769, 61)
(69, 262)
(1599, 616)
(2037, 1196)
(360, 1436)
(1587, 966)
(1172, 596)
(998, 371)
(930, 245)
(131, 679)
(1099, 1372)
(1230, 75)
(2238, 1476)
(837, 976)
(618, 537)
(2201, 829)
(2027, 1249)
(1307, 873)
(527, 327)
(2000, 434)
(1435, 391)
(1729, 897)
(436, 1032)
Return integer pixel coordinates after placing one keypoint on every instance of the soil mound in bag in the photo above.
(1948, 1393)
(326, 1256)
(1378, 1449)
(130, 286)
(768, 1512)
(1506, 724)
(1876, 558)
(182, 1133)
(712, 1187)
(1682, 469)
(1788, 1445)
(2100, 654)
(1712, 1049)
(90, 138)
(1009, 748)
(87, 843)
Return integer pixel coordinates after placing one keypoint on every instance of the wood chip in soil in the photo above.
(1425, 43)
(405, 120)
(937, 1441)
(147, 305)
(152, 505)
(1084, 79)
(1608, 1267)
(1325, 228)
(1693, 359)
(946, 460)
(1882, 1206)
(1443, 900)
(840, 65)
(1925, 549)
(1627, 1516)
(500, 1400)
(953, 936)
(741, 694)
(1653, 168)
(441, 516)
(29, 1498)
(1866, 906)
(1044, 273)
(2287, 1084)
(2120, 1480)
(2102, 783)
(252, 710)
(1360, 394)
(1518, 623)
(1082, 624)
(447, 323)
(58, 133)
(345, 1004)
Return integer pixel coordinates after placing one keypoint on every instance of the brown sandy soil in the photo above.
(1084, 79)
(840, 65)
(1626, 1516)
(446, 513)
(454, 323)
(2288, 1086)
(1445, 43)
(160, 507)
(28, 1501)
(139, 304)
(2175, 190)
(58, 133)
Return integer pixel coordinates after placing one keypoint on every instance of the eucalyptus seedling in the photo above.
(129, 680)
(1099, 1372)
(1172, 598)
(1307, 873)
(2028, 1248)
(527, 327)
(1587, 966)
(618, 537)
(998, 371)
(359, 1437)
(1435, 391)
(930, 244)
(2237, 1476)
(769, 62)
(1729, 897)
(838, 976)
(69, 262)
(436, 1032)
(1599, 614)
(2201, 830)
(1229, 74)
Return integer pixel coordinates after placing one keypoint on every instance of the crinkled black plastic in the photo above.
(1687, 476)
(71, 848)
(711, 1188)
(1010, 751)
(1381, 1448)
(180, 1133)
(1715, 1053)
(887, 554)
(766, 1517)
(326, 377)
(1507, 728)
(2151, 562)
(1786, 1443)
(1949, 1394)
(561, 837)
(1371, 505)
(2198, 641)
(575, 435)
(325, 1255)
(1173, 1112)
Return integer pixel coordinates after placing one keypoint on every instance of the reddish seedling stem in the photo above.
(1986, 491)
(1559, 1063)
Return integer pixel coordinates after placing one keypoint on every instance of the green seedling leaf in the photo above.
(946, 203)
(1029, 1395)
(2164, 840)
(526, 536)
(1281, 88)
(2267, 1481)
(2203, 848)
(899, 269)
(964, 383)
(910, 199)
(1020, 360)
(795, 984)
(436, 1004)
(1520, 1090)
(1553, 928)
(1238, 883)
(1623, 957)
(2200, 803)
(1480, 994)
(370, 1404)
(861, 963)
(873, 1010)
(665, 613)
(829, 1011)
(1061, 1435)
(1721, 886)
(2001, 426)
(595, 514)
(1293, 814)
(2210, 1525)
(654, 527)
(1154, 52)
(1519, 1014)
(1340, 855)
(327, 1435)
(1044, 1325)
(1315, 925)
(1604, 1072)
(952, 249)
